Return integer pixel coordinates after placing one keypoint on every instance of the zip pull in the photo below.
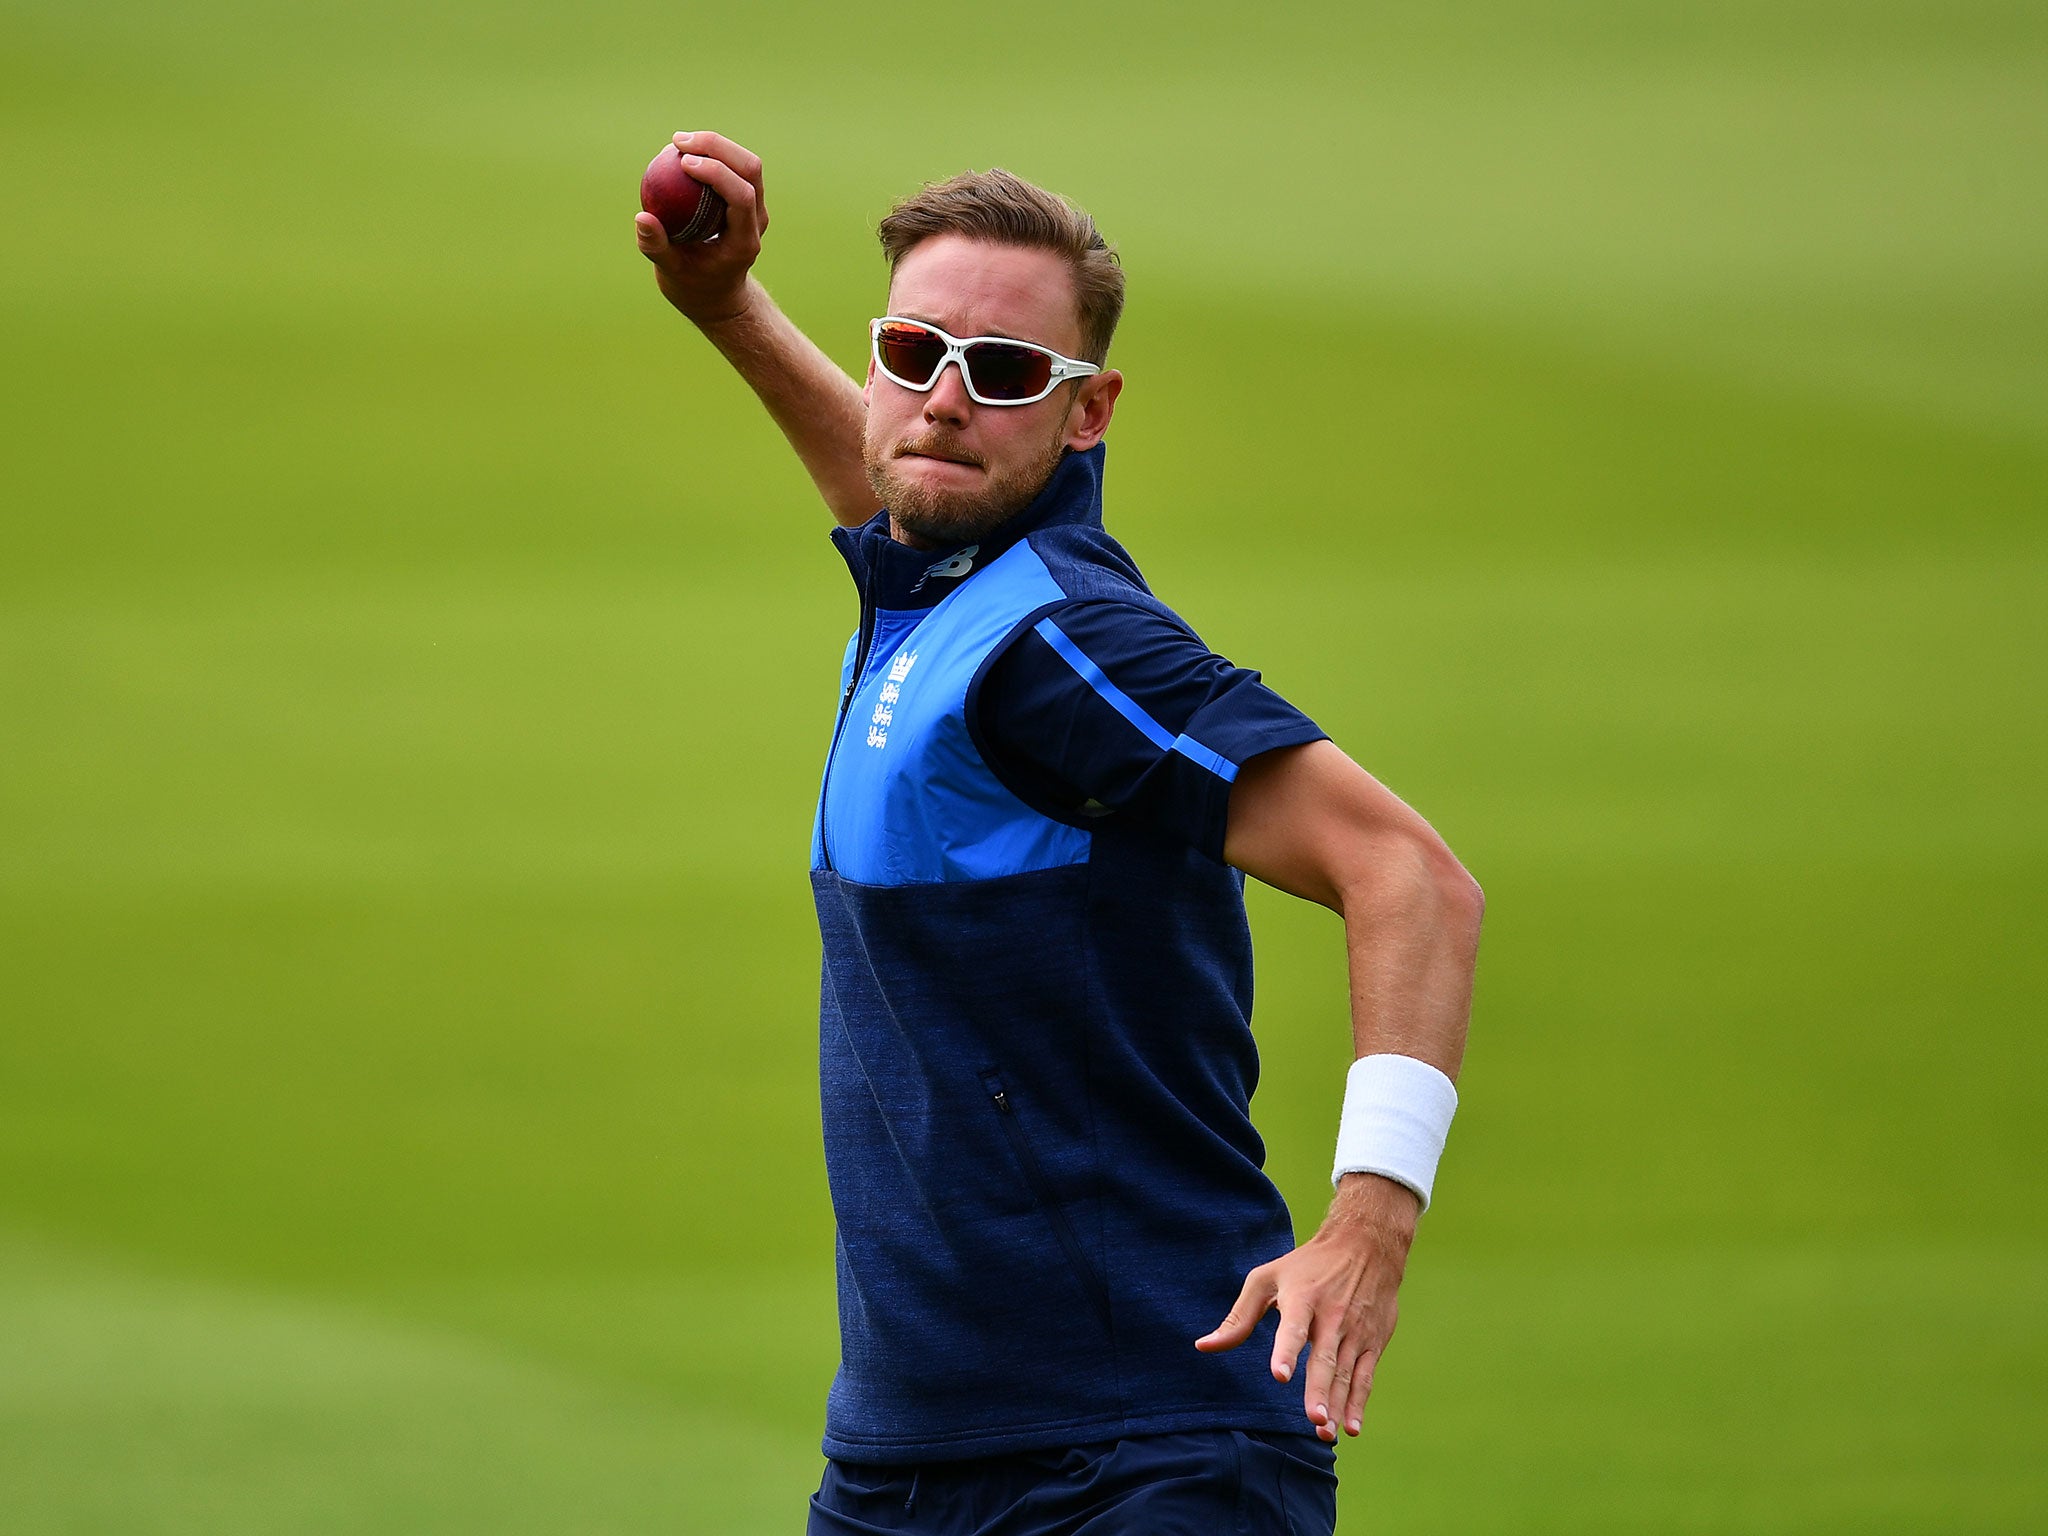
(1003, 1101)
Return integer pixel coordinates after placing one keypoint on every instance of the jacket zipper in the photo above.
(860, 665)
(1035, 1177)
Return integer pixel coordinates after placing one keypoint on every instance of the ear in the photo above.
(867, 387)
(1094, 403)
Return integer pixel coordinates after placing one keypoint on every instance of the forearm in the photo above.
(818, 408)
(711, 283)
(1411, 933)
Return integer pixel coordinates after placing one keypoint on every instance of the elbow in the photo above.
(1460, 903)
(1458, 898)
(1463, 897)
(1413, 871)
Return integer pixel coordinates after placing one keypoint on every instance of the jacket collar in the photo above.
(893, 575)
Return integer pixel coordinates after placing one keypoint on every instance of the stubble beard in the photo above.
(955, 517)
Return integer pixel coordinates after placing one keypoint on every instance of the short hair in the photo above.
(997, 206)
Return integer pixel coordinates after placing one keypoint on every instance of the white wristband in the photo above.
(1397, 1112)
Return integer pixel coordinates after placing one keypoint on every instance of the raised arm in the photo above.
(1311, 822)
(711, 283)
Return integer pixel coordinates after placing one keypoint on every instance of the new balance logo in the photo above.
(950, 567)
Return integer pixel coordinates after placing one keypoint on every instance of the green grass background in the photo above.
(1623, 425)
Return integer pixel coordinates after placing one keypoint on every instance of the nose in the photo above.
(947, 401)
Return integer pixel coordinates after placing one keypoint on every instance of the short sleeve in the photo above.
(1108, 709)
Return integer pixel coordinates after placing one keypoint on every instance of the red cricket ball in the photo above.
(687, 208)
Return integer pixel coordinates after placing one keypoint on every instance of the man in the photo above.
(1041, 799)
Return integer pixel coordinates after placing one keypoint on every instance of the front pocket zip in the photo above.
(1063, 1229)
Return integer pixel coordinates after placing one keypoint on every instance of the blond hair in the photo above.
(997, 206)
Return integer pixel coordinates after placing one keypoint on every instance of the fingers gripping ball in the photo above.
(687, 208)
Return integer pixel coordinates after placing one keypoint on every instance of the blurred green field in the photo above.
(1624, 426)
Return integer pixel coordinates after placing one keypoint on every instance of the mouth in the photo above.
(938, 458)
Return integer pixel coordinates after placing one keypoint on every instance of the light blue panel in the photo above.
(907, 798)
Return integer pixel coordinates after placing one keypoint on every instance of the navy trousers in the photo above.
(1214, 1482)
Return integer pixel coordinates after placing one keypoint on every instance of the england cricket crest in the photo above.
(885, 706)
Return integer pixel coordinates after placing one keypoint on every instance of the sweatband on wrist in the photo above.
(1397, 1112)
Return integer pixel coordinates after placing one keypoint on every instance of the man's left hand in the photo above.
(1336, 1294)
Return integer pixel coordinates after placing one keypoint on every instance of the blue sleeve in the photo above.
(1108, 709)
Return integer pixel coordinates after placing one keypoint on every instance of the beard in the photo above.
(956, 516)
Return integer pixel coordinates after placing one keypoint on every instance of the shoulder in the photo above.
(1127, 642)
(1088, 564)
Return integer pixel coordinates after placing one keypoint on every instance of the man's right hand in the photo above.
(707, 279)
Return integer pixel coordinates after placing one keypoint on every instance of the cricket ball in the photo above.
(687, 208)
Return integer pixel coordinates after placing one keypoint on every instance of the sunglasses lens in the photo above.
(910, 352)
(1008, 373)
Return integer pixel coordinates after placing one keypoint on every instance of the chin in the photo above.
(952, 503)
(940, 500)
(945, 524)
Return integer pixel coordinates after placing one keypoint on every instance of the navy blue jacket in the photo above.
(1035, 1043)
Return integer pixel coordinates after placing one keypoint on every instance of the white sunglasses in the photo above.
(997, 370)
